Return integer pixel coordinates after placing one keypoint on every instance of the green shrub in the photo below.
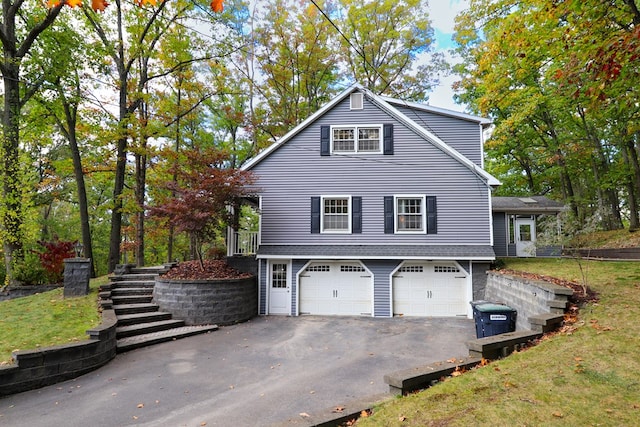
(29, 270)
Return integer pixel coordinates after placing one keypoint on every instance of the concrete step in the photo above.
(145, 328)
(130, 343)
(127, 277)
(123, 309)
(131, 291)
(148, 270)
(131, 299)
(133, 284)
(140, 318)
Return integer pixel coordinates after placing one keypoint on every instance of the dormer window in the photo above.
(356, 139)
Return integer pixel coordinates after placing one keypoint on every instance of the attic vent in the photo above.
(357, 101)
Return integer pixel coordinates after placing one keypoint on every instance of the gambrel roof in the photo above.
(387, 105)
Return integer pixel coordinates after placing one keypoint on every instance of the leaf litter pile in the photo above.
(213, 269)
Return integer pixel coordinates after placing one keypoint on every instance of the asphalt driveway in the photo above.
(264, 372)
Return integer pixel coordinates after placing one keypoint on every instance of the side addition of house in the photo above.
(376, 207)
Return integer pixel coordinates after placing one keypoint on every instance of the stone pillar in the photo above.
(77, 272)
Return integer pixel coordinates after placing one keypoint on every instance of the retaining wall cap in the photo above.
(202, 281)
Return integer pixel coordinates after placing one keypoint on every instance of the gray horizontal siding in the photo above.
(262, 293)
(464, 136)
(295, 269)
(296, 171)
(381, 271)
(500, 237)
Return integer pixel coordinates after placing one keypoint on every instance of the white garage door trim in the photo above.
(335, 288)
(424, 288)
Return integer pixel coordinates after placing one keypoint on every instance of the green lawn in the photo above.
(47, 319)
(587, 376)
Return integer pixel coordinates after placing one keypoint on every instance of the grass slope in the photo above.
(47, 319)
(585, 376)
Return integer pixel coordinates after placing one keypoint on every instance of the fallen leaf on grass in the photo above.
(402, 418)
(365, 413)
(558, 414)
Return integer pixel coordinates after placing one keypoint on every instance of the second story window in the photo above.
(336, 215)
(356, 139)
(410, 214)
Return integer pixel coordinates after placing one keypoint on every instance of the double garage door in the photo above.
(336, 288)
(418, 289)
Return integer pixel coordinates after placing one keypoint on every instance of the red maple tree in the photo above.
(202, 193)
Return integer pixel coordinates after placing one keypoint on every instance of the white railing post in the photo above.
(244, 243)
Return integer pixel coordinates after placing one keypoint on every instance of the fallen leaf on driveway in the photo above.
(338, 409)
(140, 405)
(304, 415)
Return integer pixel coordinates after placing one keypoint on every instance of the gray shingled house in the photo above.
(374, 206)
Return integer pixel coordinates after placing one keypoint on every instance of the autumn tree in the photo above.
(22, 24)
(296, 57)
(205, 188)
(381, 42)
(558, 80)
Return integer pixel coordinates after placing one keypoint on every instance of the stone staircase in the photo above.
(140, 323)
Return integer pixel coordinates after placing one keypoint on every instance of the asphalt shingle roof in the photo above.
(533, 204)
(378, 251)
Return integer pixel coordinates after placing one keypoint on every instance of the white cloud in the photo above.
(442, 14)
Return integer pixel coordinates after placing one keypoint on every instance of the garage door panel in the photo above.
(333, 288)
(429, 289)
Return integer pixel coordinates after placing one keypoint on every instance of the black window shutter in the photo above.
(387, 138)
(325, 140)
(432, 215)
(356, 214)
(315, 215)
(388, 215)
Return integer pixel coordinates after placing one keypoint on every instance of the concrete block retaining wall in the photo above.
(25, 291)
(202, 302)
(38, 368)
(529, 297)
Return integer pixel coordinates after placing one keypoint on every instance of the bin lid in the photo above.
(490, 307)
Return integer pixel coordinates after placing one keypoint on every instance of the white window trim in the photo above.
(355, 136)
(349, 214)
(424, 213)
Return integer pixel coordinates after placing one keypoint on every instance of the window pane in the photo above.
(279, 275)
(344, 140)
(369, 139)
(410, 214)
(336, 215)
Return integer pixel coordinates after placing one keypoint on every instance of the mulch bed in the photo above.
(211, 269)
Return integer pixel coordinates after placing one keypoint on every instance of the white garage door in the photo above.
(430, 289)
(335, 288)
